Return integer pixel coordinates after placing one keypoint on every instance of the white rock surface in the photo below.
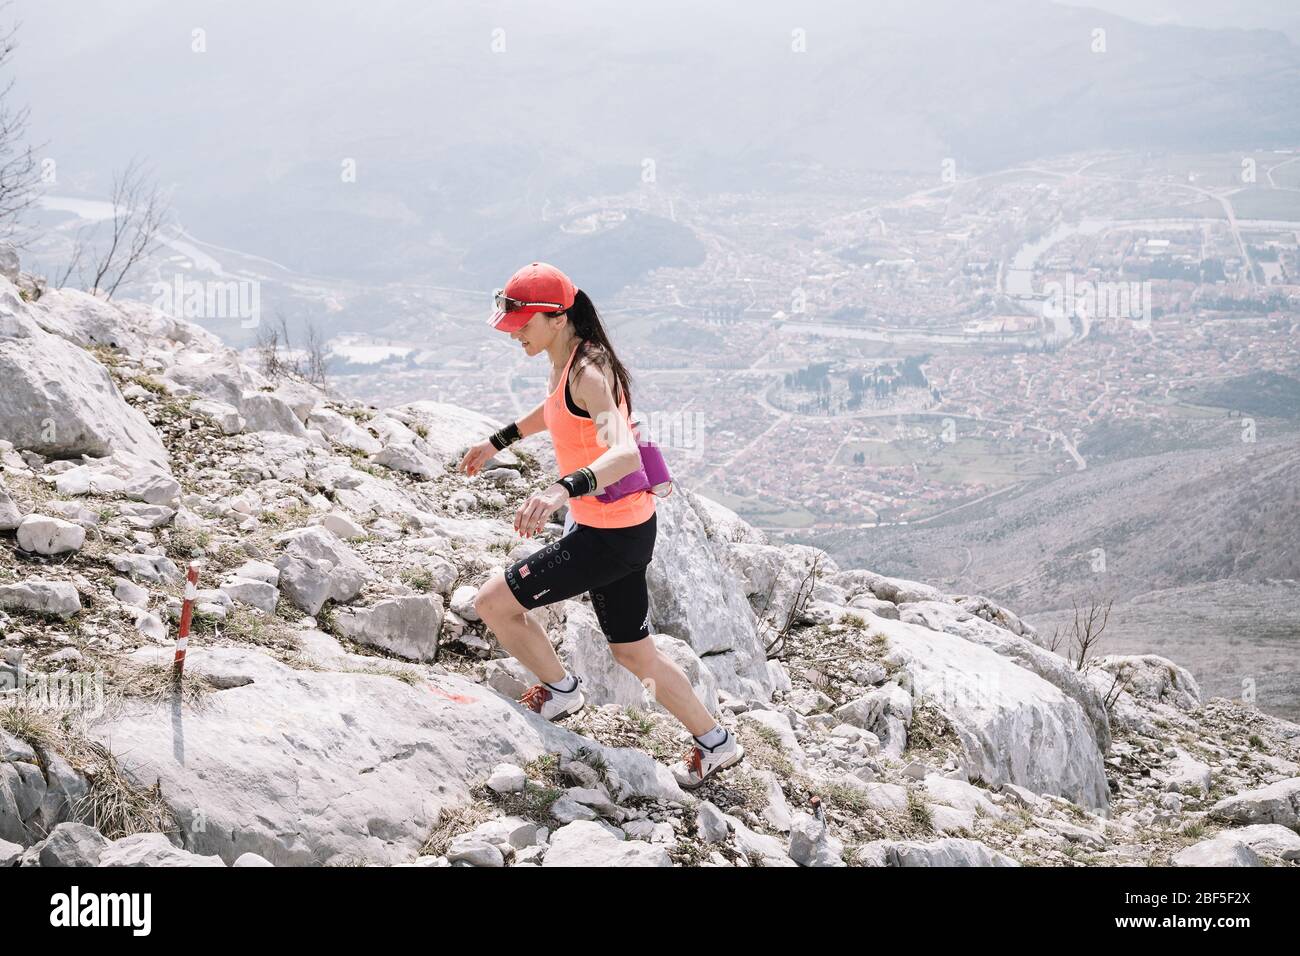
(695, 598)
(258, 594)
(10, 515)
(227, 417)
(995, 706)
(301, 766)
(42, 534)
(49, 597)
(151, 568)
(57, 400)
(1279, 802)
(1220, 850)
(406, 626)
(152, 849)
(947, 851)
(317, 567)
(586, 843)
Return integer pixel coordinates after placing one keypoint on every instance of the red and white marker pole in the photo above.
(187, 611)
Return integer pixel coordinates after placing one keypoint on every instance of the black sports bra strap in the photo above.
(568, 401)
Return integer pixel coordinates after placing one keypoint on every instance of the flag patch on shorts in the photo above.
(523, 571)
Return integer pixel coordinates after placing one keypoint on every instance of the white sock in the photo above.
(712, 738)
(568, 682)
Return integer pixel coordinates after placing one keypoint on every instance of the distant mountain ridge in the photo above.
(717, 96)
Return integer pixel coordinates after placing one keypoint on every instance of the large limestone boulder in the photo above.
(134, 327)
(42, 534)
(775, 578)
(47, 597)
(857, 581)
(343, 430)
(57, 400)
(218, 376)
(1269, 839)
(1220, 850)
(317, 567)
(268, 412)
(152, 849)
(332, 764)
(448, 430)
(406, 626)
(72, 844)
(1056, 670)
(697, 599)
(1014, 726)
(949, 851)
(1152, 678)
(120, 474)
(724, 525)
(1279, 803)
(587, 843)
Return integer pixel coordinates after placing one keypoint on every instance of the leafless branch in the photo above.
(1090, 621)
(74, 262)
(278, 358)
(139, 209)
(774, 647)
(315, 368)
(19, 172)
(1117, 687)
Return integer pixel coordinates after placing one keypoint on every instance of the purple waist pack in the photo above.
(653, 475)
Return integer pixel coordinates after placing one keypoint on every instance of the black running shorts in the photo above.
(608, 562)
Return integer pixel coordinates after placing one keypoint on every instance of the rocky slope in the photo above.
(343, 704)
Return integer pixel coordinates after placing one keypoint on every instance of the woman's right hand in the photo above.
(476, 457)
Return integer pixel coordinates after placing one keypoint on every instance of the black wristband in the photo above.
(505, 436)
(579, 483)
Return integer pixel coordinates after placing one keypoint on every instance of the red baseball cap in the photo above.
(537, 287)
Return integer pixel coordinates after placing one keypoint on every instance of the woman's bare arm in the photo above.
(533, 422)
(622, 455)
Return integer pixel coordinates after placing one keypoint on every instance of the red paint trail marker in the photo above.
(187, 610)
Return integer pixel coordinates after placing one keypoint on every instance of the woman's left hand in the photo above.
(533, 513)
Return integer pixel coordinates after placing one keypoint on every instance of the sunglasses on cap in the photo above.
(505, 303)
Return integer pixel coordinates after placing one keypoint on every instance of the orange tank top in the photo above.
(576, 445)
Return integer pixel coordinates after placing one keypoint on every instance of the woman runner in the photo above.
(606, 546)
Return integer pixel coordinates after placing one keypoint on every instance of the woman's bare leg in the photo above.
(523, 637)
(667, 681)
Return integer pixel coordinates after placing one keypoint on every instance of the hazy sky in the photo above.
(467, 119)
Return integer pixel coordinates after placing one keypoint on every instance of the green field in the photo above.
(1262, 394)
(759, 512)
(1205, 209)
(1213, 171)
(1263, 203)
(1286, 176)
(966, 461)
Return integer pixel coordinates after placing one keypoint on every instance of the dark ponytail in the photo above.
(595, 346)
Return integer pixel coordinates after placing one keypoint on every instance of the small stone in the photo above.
(258, 594)
(462, 602)
(567, 810)
(252, 859)
(51, 597)
(475, 850)
(130, 593)
(710, 823)
(341, 525)
(41, 534)
(506, 778)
